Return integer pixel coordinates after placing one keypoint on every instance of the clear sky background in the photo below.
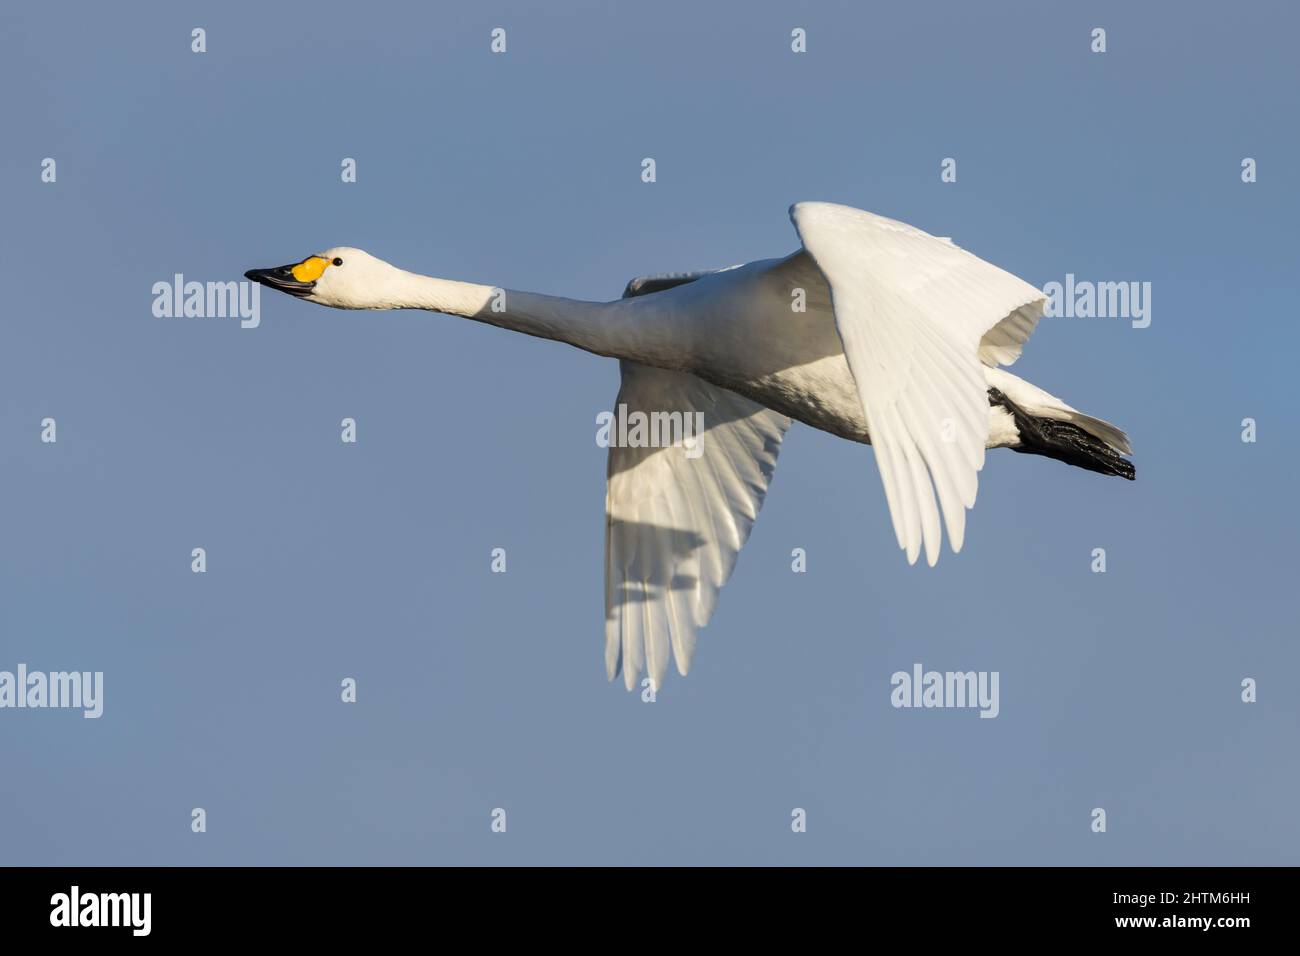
(478, 690)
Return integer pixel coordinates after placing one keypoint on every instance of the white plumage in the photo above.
(898, 345)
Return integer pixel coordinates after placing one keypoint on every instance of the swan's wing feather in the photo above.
(645, 285)
(674, 524)
(917, 316)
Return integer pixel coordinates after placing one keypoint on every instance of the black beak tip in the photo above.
(281, 279)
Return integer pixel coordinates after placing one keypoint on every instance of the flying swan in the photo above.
(898, 346)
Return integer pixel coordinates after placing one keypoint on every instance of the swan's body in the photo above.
(897, 344)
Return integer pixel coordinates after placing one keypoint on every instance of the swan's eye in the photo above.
(338, 261)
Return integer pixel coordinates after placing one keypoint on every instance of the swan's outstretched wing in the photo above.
(917, 316)
(677, 517)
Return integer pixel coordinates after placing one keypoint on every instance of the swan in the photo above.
(873, 331)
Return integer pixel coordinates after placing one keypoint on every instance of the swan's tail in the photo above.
(1047, 426)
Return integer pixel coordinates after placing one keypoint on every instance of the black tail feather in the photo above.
(1063, 441)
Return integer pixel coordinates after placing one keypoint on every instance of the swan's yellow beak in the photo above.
(298, 279)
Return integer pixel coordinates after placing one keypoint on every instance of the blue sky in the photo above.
(1118, 690)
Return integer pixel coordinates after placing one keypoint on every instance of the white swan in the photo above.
(898, 346)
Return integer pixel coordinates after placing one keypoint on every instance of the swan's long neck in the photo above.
(606, 328)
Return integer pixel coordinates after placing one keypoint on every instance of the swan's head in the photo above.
(342, 277)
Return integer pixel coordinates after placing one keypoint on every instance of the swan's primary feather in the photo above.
(675, 524)
(917, 316)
